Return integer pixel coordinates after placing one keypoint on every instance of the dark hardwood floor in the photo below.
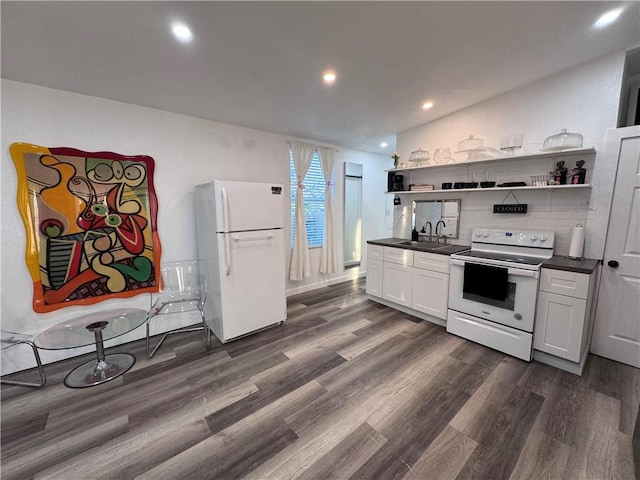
(346, 388)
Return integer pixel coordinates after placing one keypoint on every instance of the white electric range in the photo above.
(494, 286)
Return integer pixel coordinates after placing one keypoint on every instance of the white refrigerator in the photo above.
(242, 251)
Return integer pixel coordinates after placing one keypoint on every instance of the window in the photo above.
(314, 193)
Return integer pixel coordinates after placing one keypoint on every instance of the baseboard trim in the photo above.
(561, 363)
(410, 311)
(325, 283)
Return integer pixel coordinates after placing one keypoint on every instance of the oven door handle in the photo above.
(520, 272)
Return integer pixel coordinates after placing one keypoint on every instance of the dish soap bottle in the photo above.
(414, 235)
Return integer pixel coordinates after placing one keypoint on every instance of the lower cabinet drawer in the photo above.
(399, 256)
(375, 252)
(504, 339)
(431, 261)
(564, 283)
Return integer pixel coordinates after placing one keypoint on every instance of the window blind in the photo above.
(314, 193)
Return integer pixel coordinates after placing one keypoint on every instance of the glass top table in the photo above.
(89, 329)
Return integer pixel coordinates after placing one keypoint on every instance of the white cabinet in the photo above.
(431, 261)
(374, 277)
(374, 270)
(564, 283)
(559, 325)
(412, 281)
(400, 256)
(430, 291)
(375, 252)
(396, 277)
(396, 283)
(430, 288)
(564, 318)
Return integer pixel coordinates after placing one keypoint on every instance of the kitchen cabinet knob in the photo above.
(613, 263)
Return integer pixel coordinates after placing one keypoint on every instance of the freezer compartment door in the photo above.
(249, 206)
(252, 273)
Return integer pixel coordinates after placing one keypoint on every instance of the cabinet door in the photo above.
(396, 281)
(374, 277)
(430, 292)
(559, 324)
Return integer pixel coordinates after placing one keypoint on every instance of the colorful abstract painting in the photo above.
(90, 220)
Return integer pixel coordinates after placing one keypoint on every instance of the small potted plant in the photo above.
(395, 157)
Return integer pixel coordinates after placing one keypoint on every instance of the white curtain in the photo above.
(328, 260)
(300, 264)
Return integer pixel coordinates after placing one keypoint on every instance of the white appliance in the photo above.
(493, 288)
(241, 246)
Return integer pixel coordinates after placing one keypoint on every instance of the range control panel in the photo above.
(519, 238)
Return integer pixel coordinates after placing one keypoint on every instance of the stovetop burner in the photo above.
(525, 249)
(503, 257)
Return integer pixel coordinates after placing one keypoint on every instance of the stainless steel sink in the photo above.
(448, 248)
(422, 245)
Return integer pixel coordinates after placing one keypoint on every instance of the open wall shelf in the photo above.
(531, 156)
(494, 189)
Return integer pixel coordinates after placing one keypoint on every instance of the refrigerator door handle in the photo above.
(227, 247)
(237, 238)
(227, 254)
(225, 209)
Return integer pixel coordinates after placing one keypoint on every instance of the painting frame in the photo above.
(91, 233)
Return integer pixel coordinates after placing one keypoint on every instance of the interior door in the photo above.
(617, 327)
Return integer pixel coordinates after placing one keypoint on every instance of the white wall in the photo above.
(187, 151)
(583, 99)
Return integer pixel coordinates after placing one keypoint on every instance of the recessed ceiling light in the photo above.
(182, 32)
(384, 144)
(607, 18)
(329, 77)
(427, 105)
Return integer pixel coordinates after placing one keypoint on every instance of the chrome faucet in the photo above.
(439, 235)
(428, 224)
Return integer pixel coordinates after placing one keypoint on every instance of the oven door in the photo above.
(499, 294)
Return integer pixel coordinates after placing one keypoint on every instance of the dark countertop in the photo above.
(429, 247)
(559, 262)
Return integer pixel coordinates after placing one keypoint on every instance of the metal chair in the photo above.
(183, 290)
(11, 340)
